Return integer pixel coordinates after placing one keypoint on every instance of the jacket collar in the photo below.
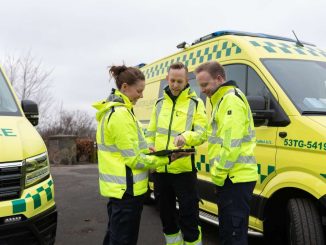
(116, 98)
(221, 90)
(187, 92)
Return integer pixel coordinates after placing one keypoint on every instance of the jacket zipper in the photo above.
(171, 119)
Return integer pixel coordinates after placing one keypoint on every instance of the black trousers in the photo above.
(182, 186)
(233, 201)
(124, 220)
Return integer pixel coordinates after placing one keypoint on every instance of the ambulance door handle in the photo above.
(282, 134)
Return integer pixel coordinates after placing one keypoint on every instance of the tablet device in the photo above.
(169, 152)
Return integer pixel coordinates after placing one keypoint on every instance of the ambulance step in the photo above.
(213, 219)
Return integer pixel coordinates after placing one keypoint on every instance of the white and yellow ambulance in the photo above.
(285, 83)
(27, 210)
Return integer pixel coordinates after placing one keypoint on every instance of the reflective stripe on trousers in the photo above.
(198, 241)
(174, 239)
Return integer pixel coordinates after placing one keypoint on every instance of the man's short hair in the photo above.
(178, 66)
(213, 68)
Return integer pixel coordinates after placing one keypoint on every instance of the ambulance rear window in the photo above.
(304, 81)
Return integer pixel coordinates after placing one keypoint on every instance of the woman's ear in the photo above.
(124, 86)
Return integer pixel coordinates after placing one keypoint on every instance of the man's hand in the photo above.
(152, 149)
(179, 141)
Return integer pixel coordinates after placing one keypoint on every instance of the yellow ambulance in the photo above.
(285, 82)
(27, 210)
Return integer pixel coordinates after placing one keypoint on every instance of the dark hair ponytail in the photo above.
(123, 74)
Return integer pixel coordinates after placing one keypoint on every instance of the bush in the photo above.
(85, 150)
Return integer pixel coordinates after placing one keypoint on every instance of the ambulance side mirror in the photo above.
(259, 111)
(30, 109)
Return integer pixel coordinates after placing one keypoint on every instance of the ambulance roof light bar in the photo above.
(140, 65)
(242, 33)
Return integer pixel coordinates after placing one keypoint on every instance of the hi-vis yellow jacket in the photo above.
(231, 137)
(184, 115)
(121, 148)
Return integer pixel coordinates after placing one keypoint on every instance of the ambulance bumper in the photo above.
(40, 229)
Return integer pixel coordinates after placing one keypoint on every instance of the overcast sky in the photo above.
(79, 39)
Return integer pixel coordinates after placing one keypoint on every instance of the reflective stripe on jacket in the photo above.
(185, 115)
(231, 137)
(122, 145)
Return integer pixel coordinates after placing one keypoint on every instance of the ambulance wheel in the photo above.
(303, 223)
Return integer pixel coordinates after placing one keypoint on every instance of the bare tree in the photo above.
(11, 66)
(31, 81)
(76, 123)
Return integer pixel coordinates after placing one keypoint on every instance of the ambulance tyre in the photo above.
(303, 223)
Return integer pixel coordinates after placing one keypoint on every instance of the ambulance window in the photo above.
(8, 106)
(194, 85)
(303, 81)
(255, 84)
(163, 84)
(237, 73)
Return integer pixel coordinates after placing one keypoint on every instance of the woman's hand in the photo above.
(152, 149)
